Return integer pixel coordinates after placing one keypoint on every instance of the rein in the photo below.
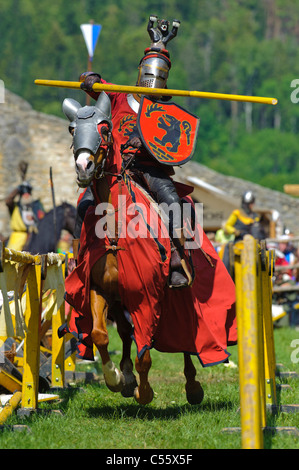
(100, 169)
(100, 173)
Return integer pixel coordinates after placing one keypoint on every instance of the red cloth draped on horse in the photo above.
(199, 320)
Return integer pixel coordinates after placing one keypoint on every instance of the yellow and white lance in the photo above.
(98, 87)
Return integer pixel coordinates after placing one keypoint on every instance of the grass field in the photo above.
(94, 418)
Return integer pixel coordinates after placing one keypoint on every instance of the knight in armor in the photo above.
(24, 215)
(244, 220)
(153, 72)
(241, 222)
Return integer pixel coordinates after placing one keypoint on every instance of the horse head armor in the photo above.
(86, 126)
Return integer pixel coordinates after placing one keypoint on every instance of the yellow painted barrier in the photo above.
(266, 267)
(9, 382)
(42, 272)
(32, 339)
(248, 347)
(10, 406)
(58, 344)
(253, 268)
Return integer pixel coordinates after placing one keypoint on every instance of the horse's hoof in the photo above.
(114, 379)
(116, 388)
(129, 387)
(194, 393)
(144, 396)
(130, 379)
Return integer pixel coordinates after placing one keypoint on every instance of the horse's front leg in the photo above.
(113, 377)
(194, 390)
(124, 329)
(144, 393)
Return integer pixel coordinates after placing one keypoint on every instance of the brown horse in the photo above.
(92, 145)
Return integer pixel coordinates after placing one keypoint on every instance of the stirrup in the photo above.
(184, 273)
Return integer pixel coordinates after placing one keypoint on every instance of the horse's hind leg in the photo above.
(124, 329)
(113, 377)
(194, 391)
(144, 393)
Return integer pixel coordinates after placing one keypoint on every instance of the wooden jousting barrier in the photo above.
(38, 272)
(97, 87)
(253, 271)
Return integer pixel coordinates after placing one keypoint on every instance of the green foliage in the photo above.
(237, 46)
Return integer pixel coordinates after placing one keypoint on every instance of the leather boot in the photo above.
(179, 273)
(75, 243)
(177, 278)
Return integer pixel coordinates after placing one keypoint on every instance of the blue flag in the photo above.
(91, 34)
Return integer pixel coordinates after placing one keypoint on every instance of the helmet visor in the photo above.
(153, 73)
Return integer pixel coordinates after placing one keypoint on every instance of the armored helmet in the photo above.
(25, 188)
(248, 198)
(153, 69)
(155, 64)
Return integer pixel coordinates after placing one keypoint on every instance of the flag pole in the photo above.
(54, 209)
(89, 68)
(91, 32)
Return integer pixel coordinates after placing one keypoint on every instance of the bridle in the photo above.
(100, 172)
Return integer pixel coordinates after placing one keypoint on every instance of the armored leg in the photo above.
(164, 192)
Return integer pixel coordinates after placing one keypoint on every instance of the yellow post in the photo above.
(268, 338)
(70, 361)
(251, 416)
(239, 303)
(158, 91)
(59, 263)
(58, 378)
(260, 333)
(32, 339)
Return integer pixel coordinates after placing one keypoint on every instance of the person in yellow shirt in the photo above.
(241, 222)
(24, 215)
(244, 221)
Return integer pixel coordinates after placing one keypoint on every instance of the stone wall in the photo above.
(43, 141)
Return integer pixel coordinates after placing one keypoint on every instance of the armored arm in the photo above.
(9, 200)
(88, 79)
(229, 226)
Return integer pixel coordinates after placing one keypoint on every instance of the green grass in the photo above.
(95, 418)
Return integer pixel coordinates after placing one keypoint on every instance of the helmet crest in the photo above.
(155, 64)
(160, 35)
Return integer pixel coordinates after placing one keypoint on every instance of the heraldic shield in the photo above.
(167, 130)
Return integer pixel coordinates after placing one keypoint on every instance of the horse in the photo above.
(44, 240)
(95, 162)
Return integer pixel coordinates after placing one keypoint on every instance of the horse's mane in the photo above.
(43, 241)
